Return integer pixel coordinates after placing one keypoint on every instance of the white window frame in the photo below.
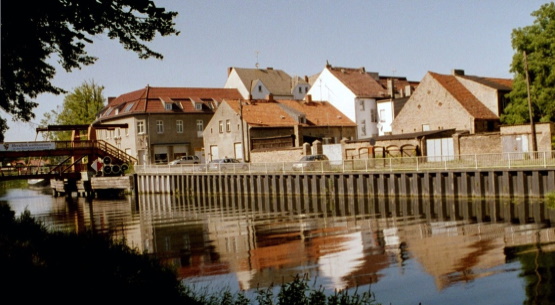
(179, 126)
(141, 127)
(159, 126)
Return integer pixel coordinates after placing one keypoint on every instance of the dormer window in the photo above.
(168, 106)
(198, 106)
(128, 107)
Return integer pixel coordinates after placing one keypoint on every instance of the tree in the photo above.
(538, 41)
(79, 108)
(34, 33)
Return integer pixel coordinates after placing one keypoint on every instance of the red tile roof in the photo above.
(286, 112)
(153, 99)
(360, 82)
(474, 107)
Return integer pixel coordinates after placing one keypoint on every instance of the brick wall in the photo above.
(485, 143)
(277, 155)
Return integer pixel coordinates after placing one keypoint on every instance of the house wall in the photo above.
(431, 104)
(225, 140)
(234, 81)
(136, 144)
(487, 95)
(367, 124)
(259, 91)
(300, 95)
(328, 88)
(385, 117)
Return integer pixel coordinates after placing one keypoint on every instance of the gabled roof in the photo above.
(155, 99)
(459, 92)
(276, 81)
(281, 113)
(360, 82)
(504, 84)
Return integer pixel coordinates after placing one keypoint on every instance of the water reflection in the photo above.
(456, 248)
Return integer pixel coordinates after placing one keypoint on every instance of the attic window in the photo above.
(198, 106)
(107, 113)
(168, 106)
(128, 107)
(259, 88)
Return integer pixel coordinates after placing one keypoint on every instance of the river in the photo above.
(404, 250)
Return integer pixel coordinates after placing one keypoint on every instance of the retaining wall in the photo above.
(512, 183)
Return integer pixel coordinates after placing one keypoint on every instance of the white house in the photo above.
(260, 83)
(355, 92)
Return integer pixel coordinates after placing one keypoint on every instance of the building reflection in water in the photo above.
(344, 242)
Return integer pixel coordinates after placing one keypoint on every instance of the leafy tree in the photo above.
(33, 34)
(79, 107)
(537, 41)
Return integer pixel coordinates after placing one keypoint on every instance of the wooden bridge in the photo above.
(61, 160)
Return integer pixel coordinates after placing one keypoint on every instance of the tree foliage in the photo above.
(537, 41)
(79, 108)
(34, 34)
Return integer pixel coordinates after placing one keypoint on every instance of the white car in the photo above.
(186, 160)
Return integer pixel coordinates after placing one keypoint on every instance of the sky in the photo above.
(405, 38)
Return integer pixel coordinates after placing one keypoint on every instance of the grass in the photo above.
(37, 265)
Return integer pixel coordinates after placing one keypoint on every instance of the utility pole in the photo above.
(532, 125)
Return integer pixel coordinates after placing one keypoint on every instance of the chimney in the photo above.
(458, 72)
(390, 89)
(270, 68)
(308, 98)
(270, 97)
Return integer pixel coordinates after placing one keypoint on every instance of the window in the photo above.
(382, 115)
(363, 128)
(221, 126)
(179, 126)
(361, 104)
(168, 106)
(159, 126)
(140, 127)
(259, 88)
(228, 125)
(128, 107)
(373, 116)
(198, 106)
(300, 89)
(200, 125)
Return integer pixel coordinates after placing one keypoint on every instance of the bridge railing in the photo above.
(418, 164)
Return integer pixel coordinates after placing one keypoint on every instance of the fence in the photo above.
(415, 164)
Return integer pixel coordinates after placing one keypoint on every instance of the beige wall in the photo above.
(486, 143)
(544, 133)
(431, 104)
(278, 155)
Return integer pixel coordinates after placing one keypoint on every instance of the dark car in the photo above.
(227, 164)
(312, 163)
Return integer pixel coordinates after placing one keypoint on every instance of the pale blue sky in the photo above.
(391, 37)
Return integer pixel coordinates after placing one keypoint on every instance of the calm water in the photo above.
(405, 251)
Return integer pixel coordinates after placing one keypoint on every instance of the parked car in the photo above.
(186, 160)
(226, 164)
(312, 163)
